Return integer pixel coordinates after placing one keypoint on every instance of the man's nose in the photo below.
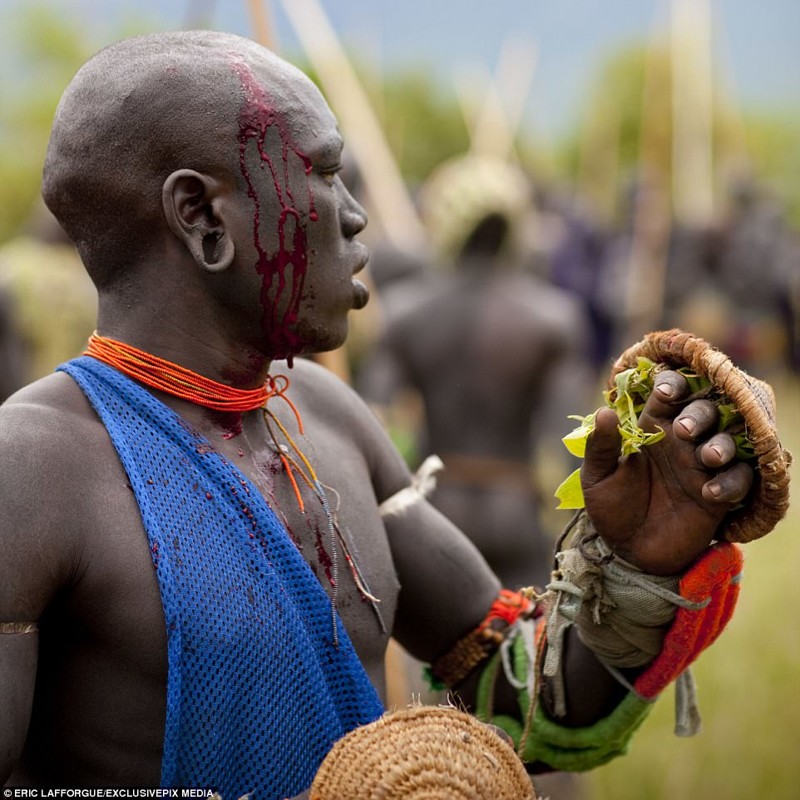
(352, 216)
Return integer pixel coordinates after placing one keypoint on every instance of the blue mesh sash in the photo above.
(256, 690)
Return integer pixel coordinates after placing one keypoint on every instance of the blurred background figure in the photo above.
(571, 255)
(748, 264)
(475, 349)
(487, 347)
(44, 289)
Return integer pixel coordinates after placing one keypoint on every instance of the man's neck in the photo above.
(204, 351)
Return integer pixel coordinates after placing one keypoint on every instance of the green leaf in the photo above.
(744, 447)
(570, 492)
(575, 440)
(631, 389)
(728, 415)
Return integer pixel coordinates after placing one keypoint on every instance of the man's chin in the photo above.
(325, 341)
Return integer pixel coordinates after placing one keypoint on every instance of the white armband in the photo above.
(423, 482)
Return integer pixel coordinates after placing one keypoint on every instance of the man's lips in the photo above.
(360, 291)
(363, 258)
(360, 294)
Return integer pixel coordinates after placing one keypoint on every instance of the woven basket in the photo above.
(422, 753)
(753, 399)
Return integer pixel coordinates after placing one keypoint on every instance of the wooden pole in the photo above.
(515, 72)
(261, 22)
(644, 301)
(493, 106)
(734, 161)
(692, 112)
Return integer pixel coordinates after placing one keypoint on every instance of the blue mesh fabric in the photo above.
(257, 692)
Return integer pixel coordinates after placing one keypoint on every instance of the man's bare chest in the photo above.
(329, 519)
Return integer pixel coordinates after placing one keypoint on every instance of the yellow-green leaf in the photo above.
(570, 492)
(575, 441)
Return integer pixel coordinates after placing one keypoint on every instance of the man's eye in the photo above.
(329, 175)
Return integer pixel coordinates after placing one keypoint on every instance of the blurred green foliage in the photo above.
(627, 121)
(773, 139)
(43, 46)
(49, 48)
(423, 123)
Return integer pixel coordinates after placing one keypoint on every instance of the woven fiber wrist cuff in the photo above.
(468, 653)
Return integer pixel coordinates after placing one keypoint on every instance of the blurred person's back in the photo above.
(492, 351)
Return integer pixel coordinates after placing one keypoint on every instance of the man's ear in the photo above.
(194, 209)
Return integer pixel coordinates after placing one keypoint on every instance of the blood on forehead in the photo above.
(283, 202)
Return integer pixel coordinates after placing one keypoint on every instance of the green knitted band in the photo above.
(579, 749)
(547, 741)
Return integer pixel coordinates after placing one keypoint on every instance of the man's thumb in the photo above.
(602, 449)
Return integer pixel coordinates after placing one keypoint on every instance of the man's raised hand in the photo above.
(659, 508)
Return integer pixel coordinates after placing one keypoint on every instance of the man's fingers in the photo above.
(669, 388)
(729, 486)
(718, 451)
(697, 419)
(602, 448)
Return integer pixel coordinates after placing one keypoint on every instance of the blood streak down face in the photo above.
(279, 229)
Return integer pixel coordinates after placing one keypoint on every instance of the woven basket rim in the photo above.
(410, 753)
(754, 399)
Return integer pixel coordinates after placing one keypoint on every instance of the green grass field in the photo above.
(748, 685)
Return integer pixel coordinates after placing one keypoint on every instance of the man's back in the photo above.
(481, 352)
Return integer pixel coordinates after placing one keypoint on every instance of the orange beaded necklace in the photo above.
(158, 373)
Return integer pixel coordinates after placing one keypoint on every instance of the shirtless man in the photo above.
(496, 355)
(197, 175)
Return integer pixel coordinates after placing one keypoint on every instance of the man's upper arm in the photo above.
(18, 655)
(31, 568)
(446, 585)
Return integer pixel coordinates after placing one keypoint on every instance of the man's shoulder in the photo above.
(46, 426)
(319, 390)
(51, 454)
(53, 404)
(338, 414)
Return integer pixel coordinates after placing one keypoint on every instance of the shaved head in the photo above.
(133, 114)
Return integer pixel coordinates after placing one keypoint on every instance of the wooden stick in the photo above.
(261, 23)
(692, 114)
(495, 120)
(652, 224)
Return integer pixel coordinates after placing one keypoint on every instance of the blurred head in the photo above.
(475, 206)
(203, 157)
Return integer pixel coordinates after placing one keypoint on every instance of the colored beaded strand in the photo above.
(313, 481)
(309, 477)
(158, 373)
